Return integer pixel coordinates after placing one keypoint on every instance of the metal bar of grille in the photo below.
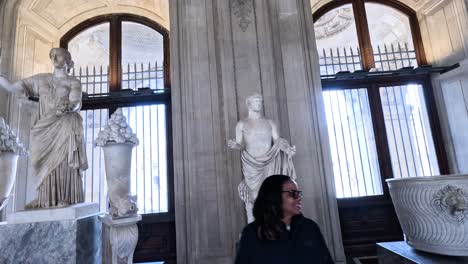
(424, 137)
(159, 161)
(151, 154)
(345, 148)
(368, 153)
(86, 140)
(134, 76)
(413, 125)
(400, 88)
(358, 141)
(351, 142)
(400, 130)
(393, 132)
(135, 110)
(144, 160)
(333, 123)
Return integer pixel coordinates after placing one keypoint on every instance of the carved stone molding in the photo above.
(334, 22)
(242, 9)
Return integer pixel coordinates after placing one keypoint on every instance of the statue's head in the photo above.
(254, 102)
(60, 58)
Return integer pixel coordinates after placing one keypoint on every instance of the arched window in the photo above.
(356, 35)
(123, 62)
(382, 125)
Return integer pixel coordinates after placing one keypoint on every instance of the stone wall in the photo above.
(444, 28)
(222, 51)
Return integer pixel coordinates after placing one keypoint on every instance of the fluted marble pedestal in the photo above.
(69, 235)
(119, 239)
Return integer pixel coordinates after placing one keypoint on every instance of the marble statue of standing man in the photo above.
(263, 151)
(57, 143)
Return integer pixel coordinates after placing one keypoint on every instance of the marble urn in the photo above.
(117, 141)
(433, 212)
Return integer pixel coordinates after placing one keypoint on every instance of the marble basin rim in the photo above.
(433, 212)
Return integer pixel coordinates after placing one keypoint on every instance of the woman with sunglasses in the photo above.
(280, 233)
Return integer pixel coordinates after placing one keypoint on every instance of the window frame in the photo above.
(115, 85)
(373, 84)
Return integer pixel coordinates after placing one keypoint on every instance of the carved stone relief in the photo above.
(450, 202)
(57, 12)
(333, 22)
(242, 9)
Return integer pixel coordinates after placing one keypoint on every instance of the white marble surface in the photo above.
(119, 222)
(119, 239)
(118, 160)
(433, 212)
(73, 212)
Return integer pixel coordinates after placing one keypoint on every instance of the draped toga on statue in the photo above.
(57, 151)
(256, 170)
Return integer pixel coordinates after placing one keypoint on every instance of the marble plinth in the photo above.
(73, 241)
(75, 211)
(401, 252)
(119, 239)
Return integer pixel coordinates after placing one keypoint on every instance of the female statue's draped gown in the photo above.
(57, 152)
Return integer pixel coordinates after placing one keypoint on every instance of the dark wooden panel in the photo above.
(363, 226)
(156, 242)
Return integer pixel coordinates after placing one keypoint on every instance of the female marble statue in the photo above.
(57, 143)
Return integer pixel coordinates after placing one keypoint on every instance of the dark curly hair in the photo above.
(268, 207)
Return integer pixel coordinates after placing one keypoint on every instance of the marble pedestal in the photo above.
(400, 252)
(119, 239)
(74, 237)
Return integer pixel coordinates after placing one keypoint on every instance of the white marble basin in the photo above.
(433, 212)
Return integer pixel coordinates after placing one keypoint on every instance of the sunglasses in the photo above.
(295, 194)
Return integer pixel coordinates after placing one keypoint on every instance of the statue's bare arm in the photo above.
(274, 130)
(238, 142)
(290, 150)
(16, 87)
(75, 96)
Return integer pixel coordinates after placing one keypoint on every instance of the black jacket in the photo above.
(303, 244)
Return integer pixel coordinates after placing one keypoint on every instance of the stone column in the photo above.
(222, 51)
